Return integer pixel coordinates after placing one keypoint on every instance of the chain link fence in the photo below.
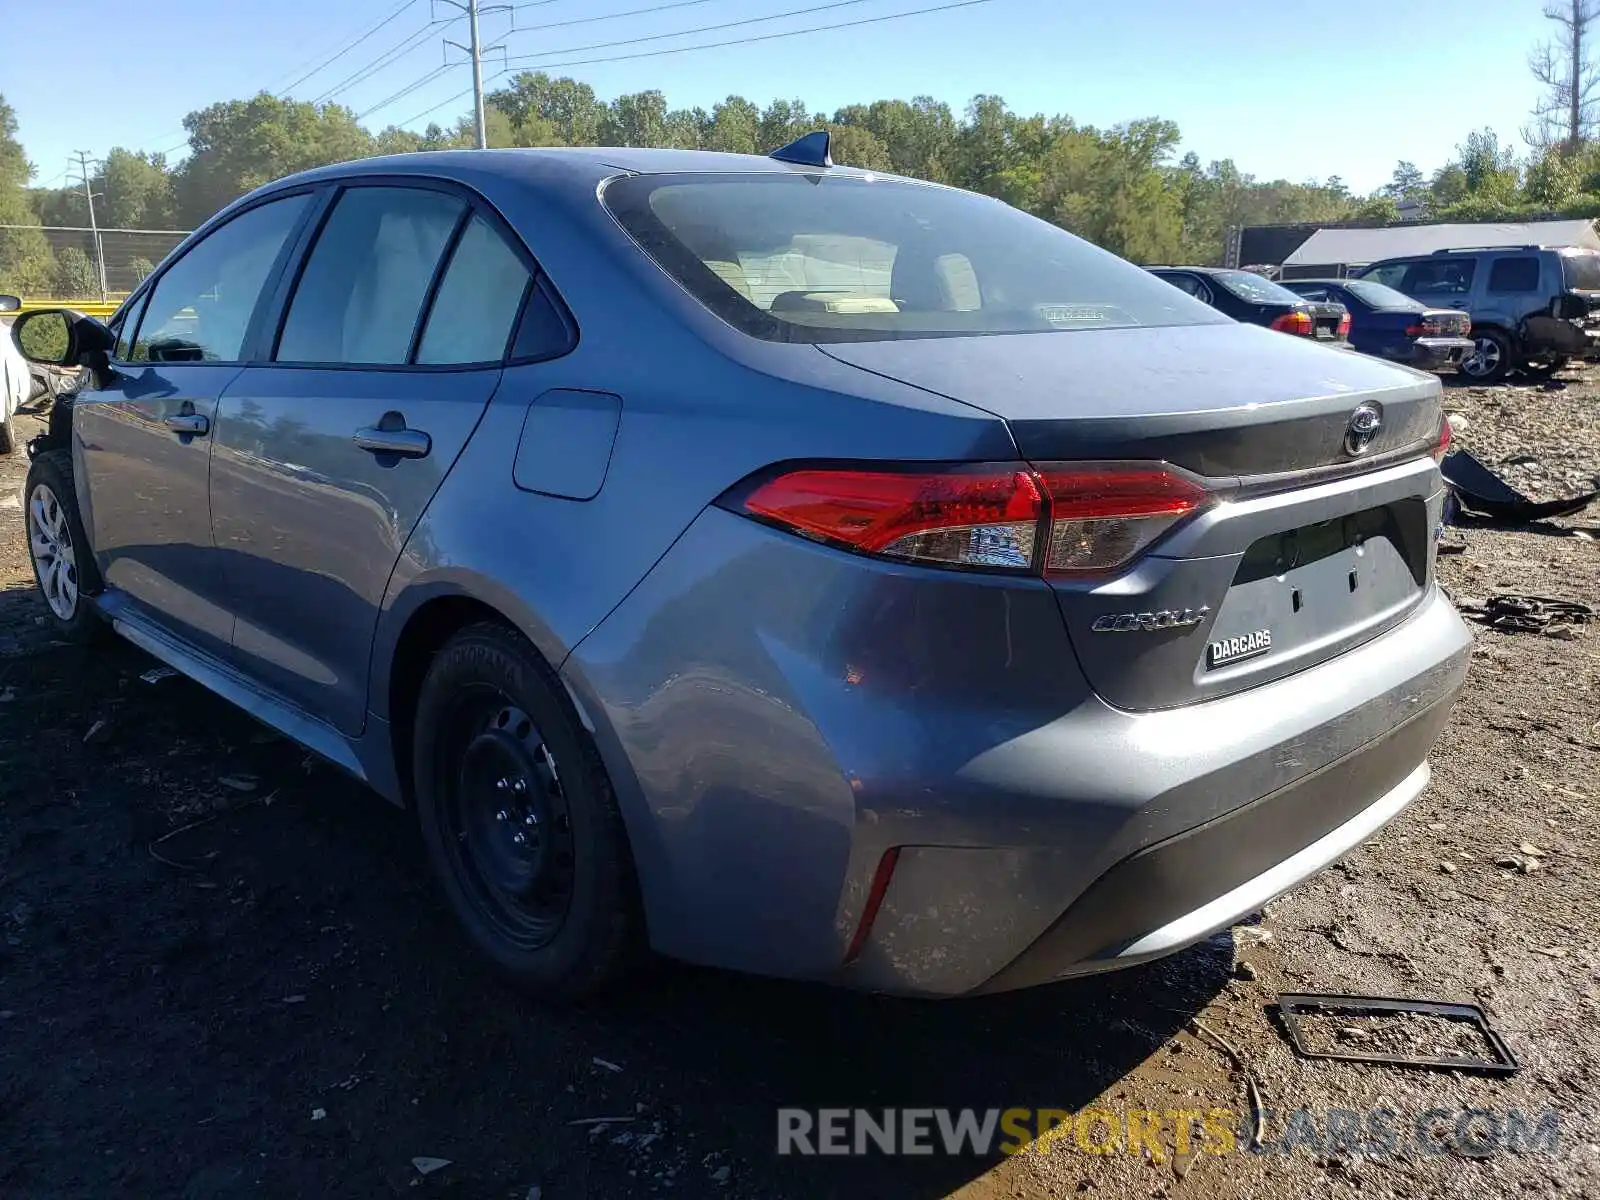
(64, 262)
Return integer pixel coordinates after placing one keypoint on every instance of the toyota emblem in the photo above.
(1363, 428)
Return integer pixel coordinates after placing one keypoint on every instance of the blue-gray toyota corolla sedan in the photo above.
(777, 565)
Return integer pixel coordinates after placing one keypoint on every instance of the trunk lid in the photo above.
(1310, 551)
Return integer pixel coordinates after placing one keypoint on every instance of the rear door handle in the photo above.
(189, 423)
(402, 442)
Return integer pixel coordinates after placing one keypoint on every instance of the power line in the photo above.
(405, 91)
(632, 12)
(661, 37)
(448, 100)
(335, 57)
(395, 53)
(764, 37)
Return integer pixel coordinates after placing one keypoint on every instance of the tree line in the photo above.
(1124, 187)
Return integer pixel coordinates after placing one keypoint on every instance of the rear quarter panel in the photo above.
(701, 407)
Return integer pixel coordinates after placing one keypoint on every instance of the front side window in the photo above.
(1441, 277)
(1389, 274)
(828, 258)
(201, 307)
(1514, 275)
(477, 301)
(361, 294)
(1580, 270)
(125, 327)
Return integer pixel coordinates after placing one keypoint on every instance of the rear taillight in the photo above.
(1296, 322)
(1344, 326)
(1103, 517)
(977, 516)
(1442, 446)
(1056, 518)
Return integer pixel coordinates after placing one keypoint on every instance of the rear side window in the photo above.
(201, 307)
(1184, 283)
(1440, 277)
(477, 301)
(1514, 275)
(805, 257)
(361, 294)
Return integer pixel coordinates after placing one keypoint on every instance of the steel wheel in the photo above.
(55, 559)
(506, 820)
(1485, 359)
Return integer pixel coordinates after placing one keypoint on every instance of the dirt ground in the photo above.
(223, 971)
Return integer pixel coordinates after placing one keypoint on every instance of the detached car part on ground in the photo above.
(788, 568)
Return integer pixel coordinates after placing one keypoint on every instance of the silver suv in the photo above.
(785, 567)
(1530, 305)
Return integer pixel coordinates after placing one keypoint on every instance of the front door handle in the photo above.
(189, 424)
(400, 441)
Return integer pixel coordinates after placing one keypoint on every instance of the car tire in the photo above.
(519, 819)
(1492, 360)
(63, 565)
(8, 431)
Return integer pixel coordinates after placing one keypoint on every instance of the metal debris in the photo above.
(427, 1166)
(1292, 1005)
(1512, 613)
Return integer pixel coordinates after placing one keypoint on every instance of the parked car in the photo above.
(1389, 324)
(16, 382)
(786, 567)
(1530, 306)
(1246, 296)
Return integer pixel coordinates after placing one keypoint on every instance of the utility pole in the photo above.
(94, 227)
(474, 51)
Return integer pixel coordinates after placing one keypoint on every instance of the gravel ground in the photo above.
(223, 972)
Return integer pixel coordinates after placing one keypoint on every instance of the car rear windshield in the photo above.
(1377, 295)
(1581, 271)
(1257, 289)
(807, 257)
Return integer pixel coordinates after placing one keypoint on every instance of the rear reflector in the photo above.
(869, 911)
(1055, 518)
(1442, 446)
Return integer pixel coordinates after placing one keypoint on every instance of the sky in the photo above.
(1288, 90)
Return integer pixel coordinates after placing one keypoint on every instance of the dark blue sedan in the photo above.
(1389, 324)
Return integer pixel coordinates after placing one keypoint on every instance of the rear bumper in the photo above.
(1435, 354)
(775, 716)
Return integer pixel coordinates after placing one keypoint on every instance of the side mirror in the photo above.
(10, 303)
(60, 337)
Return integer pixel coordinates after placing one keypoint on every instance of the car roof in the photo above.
(578, 165)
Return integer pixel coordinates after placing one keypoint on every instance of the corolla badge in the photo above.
(1363, 428)
(1149, 622)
